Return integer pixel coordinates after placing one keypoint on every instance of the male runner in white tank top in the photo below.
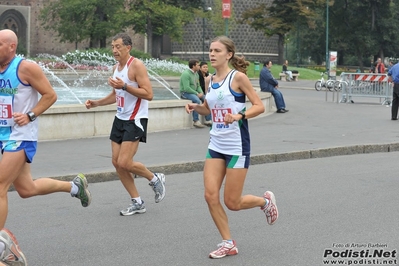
(131, 91)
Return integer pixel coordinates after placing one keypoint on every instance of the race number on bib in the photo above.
(6, 119)
(120, 101)
(218, 114)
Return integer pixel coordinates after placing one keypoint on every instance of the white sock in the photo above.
(2, 247)
(138, 200)
(266, 202)
(154, 179)
(74, 189)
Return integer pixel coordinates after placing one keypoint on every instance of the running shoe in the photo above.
(11, 255)
(270, 209)
(159, 187)
(83, 193)
(133, 208)
(224, 249)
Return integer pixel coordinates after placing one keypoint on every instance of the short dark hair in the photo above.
(126, 40)
(203, 63)
(267, 62)
(192, 63)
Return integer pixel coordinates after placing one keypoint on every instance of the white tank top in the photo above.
(18, 97)
(231, 139)
(129, 107)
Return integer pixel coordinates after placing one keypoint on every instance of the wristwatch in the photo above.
(243, 114)
(31, 116)
(124, 87)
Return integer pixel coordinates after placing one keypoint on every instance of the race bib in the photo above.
(120, 102)
(218, 115)
(6, 119)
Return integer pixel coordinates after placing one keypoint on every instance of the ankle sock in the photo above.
(154, 179)
(74, 189)
(229, 241)
(138, 200)
(2, 247)
(266, 203)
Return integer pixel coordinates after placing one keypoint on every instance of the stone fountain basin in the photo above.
(70, 120)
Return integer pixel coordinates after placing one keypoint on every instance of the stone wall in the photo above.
(253, 44)
(41, 40)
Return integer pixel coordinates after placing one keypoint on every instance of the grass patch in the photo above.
(304, 73)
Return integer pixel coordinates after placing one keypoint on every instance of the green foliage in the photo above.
(282, 16)
(157, 17)
(89, 57)
(305, 73)
(75, 22)
(139, 54)
(359, 31)
(21, 50)
(97, 56)
(217, 21)
(177, 60)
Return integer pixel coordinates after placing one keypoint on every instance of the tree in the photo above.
(218, 22)
(156, 18)
(280, 17)
(75, 22)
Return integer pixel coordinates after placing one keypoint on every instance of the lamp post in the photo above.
(206, 9)
(327, 55)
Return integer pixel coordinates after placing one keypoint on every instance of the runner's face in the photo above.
(120, 50)
(218, 54)
(5, 49)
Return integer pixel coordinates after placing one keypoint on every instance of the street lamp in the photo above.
(327, 55)
(206, 9)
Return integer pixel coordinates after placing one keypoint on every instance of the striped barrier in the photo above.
(365, 85)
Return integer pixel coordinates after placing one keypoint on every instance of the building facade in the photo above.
(254, 45)
(22, 16)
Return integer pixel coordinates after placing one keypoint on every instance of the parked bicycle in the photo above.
(322, 83)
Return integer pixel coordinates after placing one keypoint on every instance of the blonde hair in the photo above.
(238, 62)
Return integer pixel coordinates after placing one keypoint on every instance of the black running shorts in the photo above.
(131, 130)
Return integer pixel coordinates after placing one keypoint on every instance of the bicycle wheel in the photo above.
(330, 85)
(337, 85)
(317, 85)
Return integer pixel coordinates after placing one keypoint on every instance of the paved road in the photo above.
(311, 124)
(322, 202)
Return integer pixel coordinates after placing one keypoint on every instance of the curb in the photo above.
(189, 167)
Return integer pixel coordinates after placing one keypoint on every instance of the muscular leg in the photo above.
(122, 159)
(11, 165)
(15, 170)
(233, 187)
(214, 172)
(27, 187)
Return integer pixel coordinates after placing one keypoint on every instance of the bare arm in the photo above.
(202, 109)
(31, 73)
(109, 99)
(137, 72)
(241, 83)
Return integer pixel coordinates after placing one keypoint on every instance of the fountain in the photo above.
(75, 83)
(74, 86)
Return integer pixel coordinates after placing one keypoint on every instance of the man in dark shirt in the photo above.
(269, 84)
(393, 74)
